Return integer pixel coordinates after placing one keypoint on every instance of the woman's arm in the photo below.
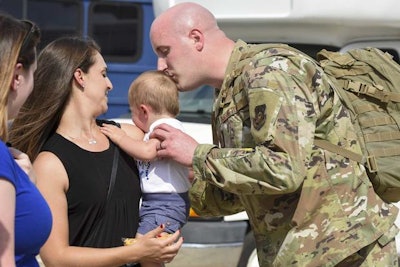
(52, 181)
(7, 219)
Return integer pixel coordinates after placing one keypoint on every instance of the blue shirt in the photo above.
(33, 218)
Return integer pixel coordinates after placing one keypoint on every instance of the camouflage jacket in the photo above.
(306, 206)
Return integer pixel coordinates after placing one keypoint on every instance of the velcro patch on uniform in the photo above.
(260, 116)
(264, 106)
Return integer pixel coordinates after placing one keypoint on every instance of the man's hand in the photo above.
(175, 144)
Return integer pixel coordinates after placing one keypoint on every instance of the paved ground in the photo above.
(200, 257)
(211, 257)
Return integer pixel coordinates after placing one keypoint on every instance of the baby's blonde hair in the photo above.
(157, 90)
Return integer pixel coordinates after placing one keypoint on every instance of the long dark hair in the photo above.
(40, 116)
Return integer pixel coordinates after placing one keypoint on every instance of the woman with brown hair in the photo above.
(92, 186)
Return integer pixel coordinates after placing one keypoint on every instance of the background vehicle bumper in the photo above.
(210, 244)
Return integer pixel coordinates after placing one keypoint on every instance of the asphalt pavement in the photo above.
(202, 257)
(207, 257)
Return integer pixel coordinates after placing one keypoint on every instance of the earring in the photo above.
(17, 84)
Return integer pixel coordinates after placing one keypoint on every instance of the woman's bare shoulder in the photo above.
(132, 131)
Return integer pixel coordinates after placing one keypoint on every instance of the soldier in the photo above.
(307, 206)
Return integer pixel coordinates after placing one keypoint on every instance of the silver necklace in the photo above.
(90, 140)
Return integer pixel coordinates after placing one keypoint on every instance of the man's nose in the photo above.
(161, 64)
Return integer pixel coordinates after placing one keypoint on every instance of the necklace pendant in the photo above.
(92, 142)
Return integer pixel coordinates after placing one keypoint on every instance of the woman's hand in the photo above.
(24, 162)
(157, 247)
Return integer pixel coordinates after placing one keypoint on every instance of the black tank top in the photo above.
(92, 223)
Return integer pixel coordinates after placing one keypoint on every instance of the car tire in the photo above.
(248, 257)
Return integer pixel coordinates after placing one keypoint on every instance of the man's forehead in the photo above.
(162, 38)
(158, 33)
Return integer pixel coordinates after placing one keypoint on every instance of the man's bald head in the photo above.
(184, 17)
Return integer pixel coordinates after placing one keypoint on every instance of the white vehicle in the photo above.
(307, 25)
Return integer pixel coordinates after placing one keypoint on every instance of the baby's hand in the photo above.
(113, 132)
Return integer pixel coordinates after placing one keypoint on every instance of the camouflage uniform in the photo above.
(306, 206)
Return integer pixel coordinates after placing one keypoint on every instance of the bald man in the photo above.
(307, 206)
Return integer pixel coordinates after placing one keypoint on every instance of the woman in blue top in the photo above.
(25, 218)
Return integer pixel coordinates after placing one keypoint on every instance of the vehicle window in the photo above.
(393, 52)
(196, 105)
(117, 28)
(62, 18)
(312, 50)
(12, 7)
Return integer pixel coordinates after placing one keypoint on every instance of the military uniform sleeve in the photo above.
(272, 159)
(208, 199)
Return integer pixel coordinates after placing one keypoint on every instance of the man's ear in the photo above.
(17, 77)
(78, 77)
(197, 38)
